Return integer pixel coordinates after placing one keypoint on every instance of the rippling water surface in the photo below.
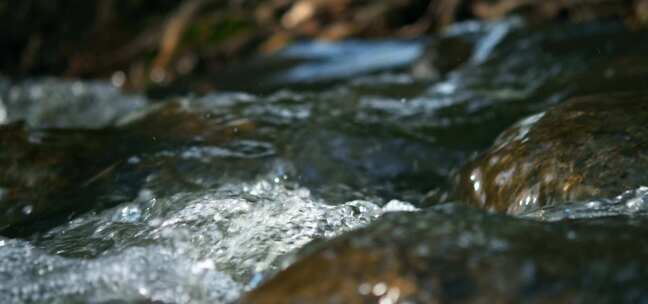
(196, 199)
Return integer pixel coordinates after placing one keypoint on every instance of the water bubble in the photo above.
(143, 291)
(204, 265)
(398, 206)
(128, 214)
(446, 88)
(637, 204)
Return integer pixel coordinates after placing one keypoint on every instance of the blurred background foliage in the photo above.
(157, 42)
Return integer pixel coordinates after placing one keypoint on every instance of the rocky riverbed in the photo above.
(511, 169)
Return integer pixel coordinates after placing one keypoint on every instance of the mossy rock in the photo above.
(586, 147)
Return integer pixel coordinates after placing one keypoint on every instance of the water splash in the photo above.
(200, 247)
(155, 273)
(629, 203)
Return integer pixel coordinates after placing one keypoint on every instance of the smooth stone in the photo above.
(45, 172)
(454, 254)
(586, 147)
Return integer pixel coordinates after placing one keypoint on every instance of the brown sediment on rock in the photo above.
(583, 148)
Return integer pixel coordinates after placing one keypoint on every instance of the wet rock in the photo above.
(453, 254)
(594, 146)
(44, 172)
(181, 122)
(442, 56)
(48, 175)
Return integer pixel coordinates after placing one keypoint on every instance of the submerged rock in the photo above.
(45, 172)
(48, 175)
(587, 147)
(442, 56)
(461, 255)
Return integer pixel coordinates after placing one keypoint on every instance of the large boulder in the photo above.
(586, 147)
(454, 254)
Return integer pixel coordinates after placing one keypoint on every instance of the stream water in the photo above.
(109, 197)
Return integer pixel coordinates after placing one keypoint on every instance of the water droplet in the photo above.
(118, 79)
(27, 210)
(158, 75)
(364, 289)
(379, 289)
(391, 297)
(143, 291)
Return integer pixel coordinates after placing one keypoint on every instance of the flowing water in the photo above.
(197, 199)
